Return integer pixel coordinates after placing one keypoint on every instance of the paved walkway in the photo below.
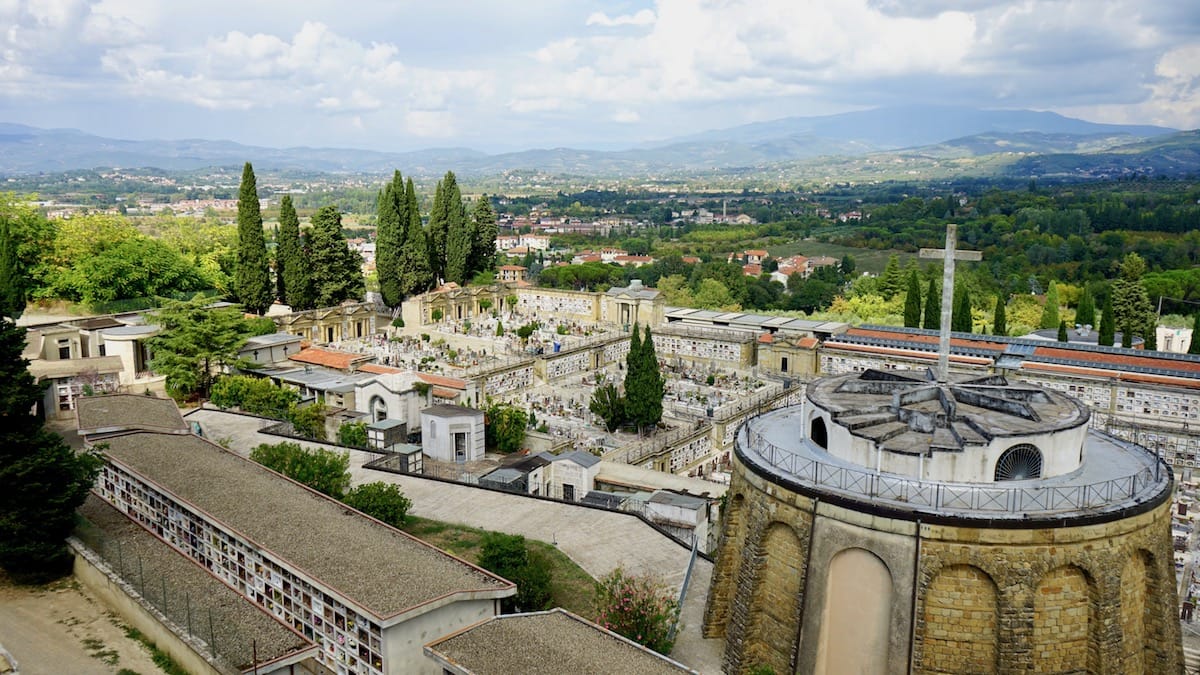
(597, 540)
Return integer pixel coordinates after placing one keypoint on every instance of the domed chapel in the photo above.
(924, 522)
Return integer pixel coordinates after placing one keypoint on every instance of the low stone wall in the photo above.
(119, 596)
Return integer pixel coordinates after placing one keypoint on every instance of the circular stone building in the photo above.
(892, 524)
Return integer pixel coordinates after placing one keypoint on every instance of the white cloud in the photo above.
(430, 124)
(626, 116)
(643, 17)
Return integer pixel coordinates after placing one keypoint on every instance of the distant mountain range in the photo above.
(1036, 142)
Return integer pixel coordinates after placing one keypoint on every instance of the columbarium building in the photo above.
(899, 522)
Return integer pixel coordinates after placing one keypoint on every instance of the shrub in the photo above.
(436, 315)
(353, 434)
(562, 330)
(308, 420)
(638, 608)
(255, 395)
(398, 322)
(323, 470)
(383, 501)
(508, 556)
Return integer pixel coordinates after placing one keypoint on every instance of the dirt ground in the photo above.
(56, 629)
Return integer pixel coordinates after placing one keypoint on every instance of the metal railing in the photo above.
(984, 500)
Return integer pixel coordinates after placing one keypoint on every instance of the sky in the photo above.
(401, 75)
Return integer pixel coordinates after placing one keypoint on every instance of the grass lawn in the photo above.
(570, 586)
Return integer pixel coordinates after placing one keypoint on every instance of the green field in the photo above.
(866, 260)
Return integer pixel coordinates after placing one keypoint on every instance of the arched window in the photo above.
(1020, 462)
(378, 409)
(818, 433)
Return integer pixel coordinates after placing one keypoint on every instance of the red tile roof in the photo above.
(443, 381)
(330, 358)
(379, 369)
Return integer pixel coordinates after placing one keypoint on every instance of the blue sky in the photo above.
(402, 75)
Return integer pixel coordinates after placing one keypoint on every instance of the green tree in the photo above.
(639, 608)
(504, 427)
(389, 240)
(960, 320)
(291, 263)
(415, 268)
(1194, 345)
(608, 405)
(382, 501)
(510, 557)
(999, 321)
(1108, 323)
(458, 232)
(336, 270)
(353, 434)
(933, 307)
(195, 343)
(499, 329)
(1062, 332)
(483, 236)
(252, 280)
(644, 386)
(12, 279)
(308, 420)
(1132, 310)
(255, 395)
(323, 470)
(912, 301)
(1085, 312)
(1050, 310)
(712, 294)
(42, 481)
(891, 281)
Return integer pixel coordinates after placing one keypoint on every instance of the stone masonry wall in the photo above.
(1097, 598)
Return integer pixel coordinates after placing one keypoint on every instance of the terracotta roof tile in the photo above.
(330, 358)
(442, 381)
(379, 369)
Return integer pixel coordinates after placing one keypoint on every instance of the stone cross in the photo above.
(948, 256)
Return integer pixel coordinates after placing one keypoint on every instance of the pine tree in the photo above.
(12, 281)
(893, 279)
(483, 236)
(1194, 345)
(1131, 303)
(912, 301)
(42, 481)
(999, 319)
(933, 307)
(336, 270)
(960, 319)
(415, 272)
(389, 239)
(252, 278)
(1151, 334)
(1062, 332)
(1108, 323)
(1050, 309)
(1085, 313)
(291, 264)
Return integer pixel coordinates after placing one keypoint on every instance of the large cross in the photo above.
(948, 256)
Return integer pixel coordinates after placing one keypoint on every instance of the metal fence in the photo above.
(194, 616)
(976, 499)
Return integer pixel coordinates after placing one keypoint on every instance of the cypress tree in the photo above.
(42, 481)
(483, 233)
(1151, 334)
(415, 272)
(389, 239)
(12, 281)
(1085, 313)
(291, 264)
(912, 301)
(1108, 323)
(933, 307)
(447, 216)
(458, 233)
(999, 319)
(1194, 345)
(893, 279)
(653, 386)
(960, 319)
(1062, 332)
(336, 270)
(1050, 310)
(252, 278)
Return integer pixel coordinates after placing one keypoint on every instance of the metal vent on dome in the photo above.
(1020, 462)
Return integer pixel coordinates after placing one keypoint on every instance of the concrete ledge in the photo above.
(99, 579)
